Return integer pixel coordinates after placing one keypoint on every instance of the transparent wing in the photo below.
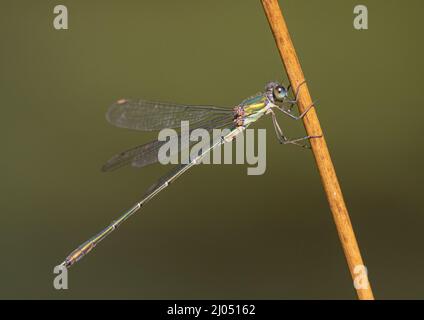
(146, 154)
(127, 156)
(151, 156)
(150, 116)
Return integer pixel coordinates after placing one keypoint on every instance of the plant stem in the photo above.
(319, 147)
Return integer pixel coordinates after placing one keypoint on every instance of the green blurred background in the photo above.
(216, 233)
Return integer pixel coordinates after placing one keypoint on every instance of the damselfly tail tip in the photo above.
(64, 264)
(122, 101)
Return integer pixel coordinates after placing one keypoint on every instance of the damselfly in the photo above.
(149, 116)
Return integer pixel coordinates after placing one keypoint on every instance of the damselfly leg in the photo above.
(296, 96)
(287, 112)
(284, 140)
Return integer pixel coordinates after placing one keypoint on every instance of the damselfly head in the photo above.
(276, 92)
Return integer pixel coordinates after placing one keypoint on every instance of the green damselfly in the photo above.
(150, 116)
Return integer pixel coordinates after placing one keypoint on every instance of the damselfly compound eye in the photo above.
(280, 93)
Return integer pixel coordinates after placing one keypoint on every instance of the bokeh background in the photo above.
(216, 233)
